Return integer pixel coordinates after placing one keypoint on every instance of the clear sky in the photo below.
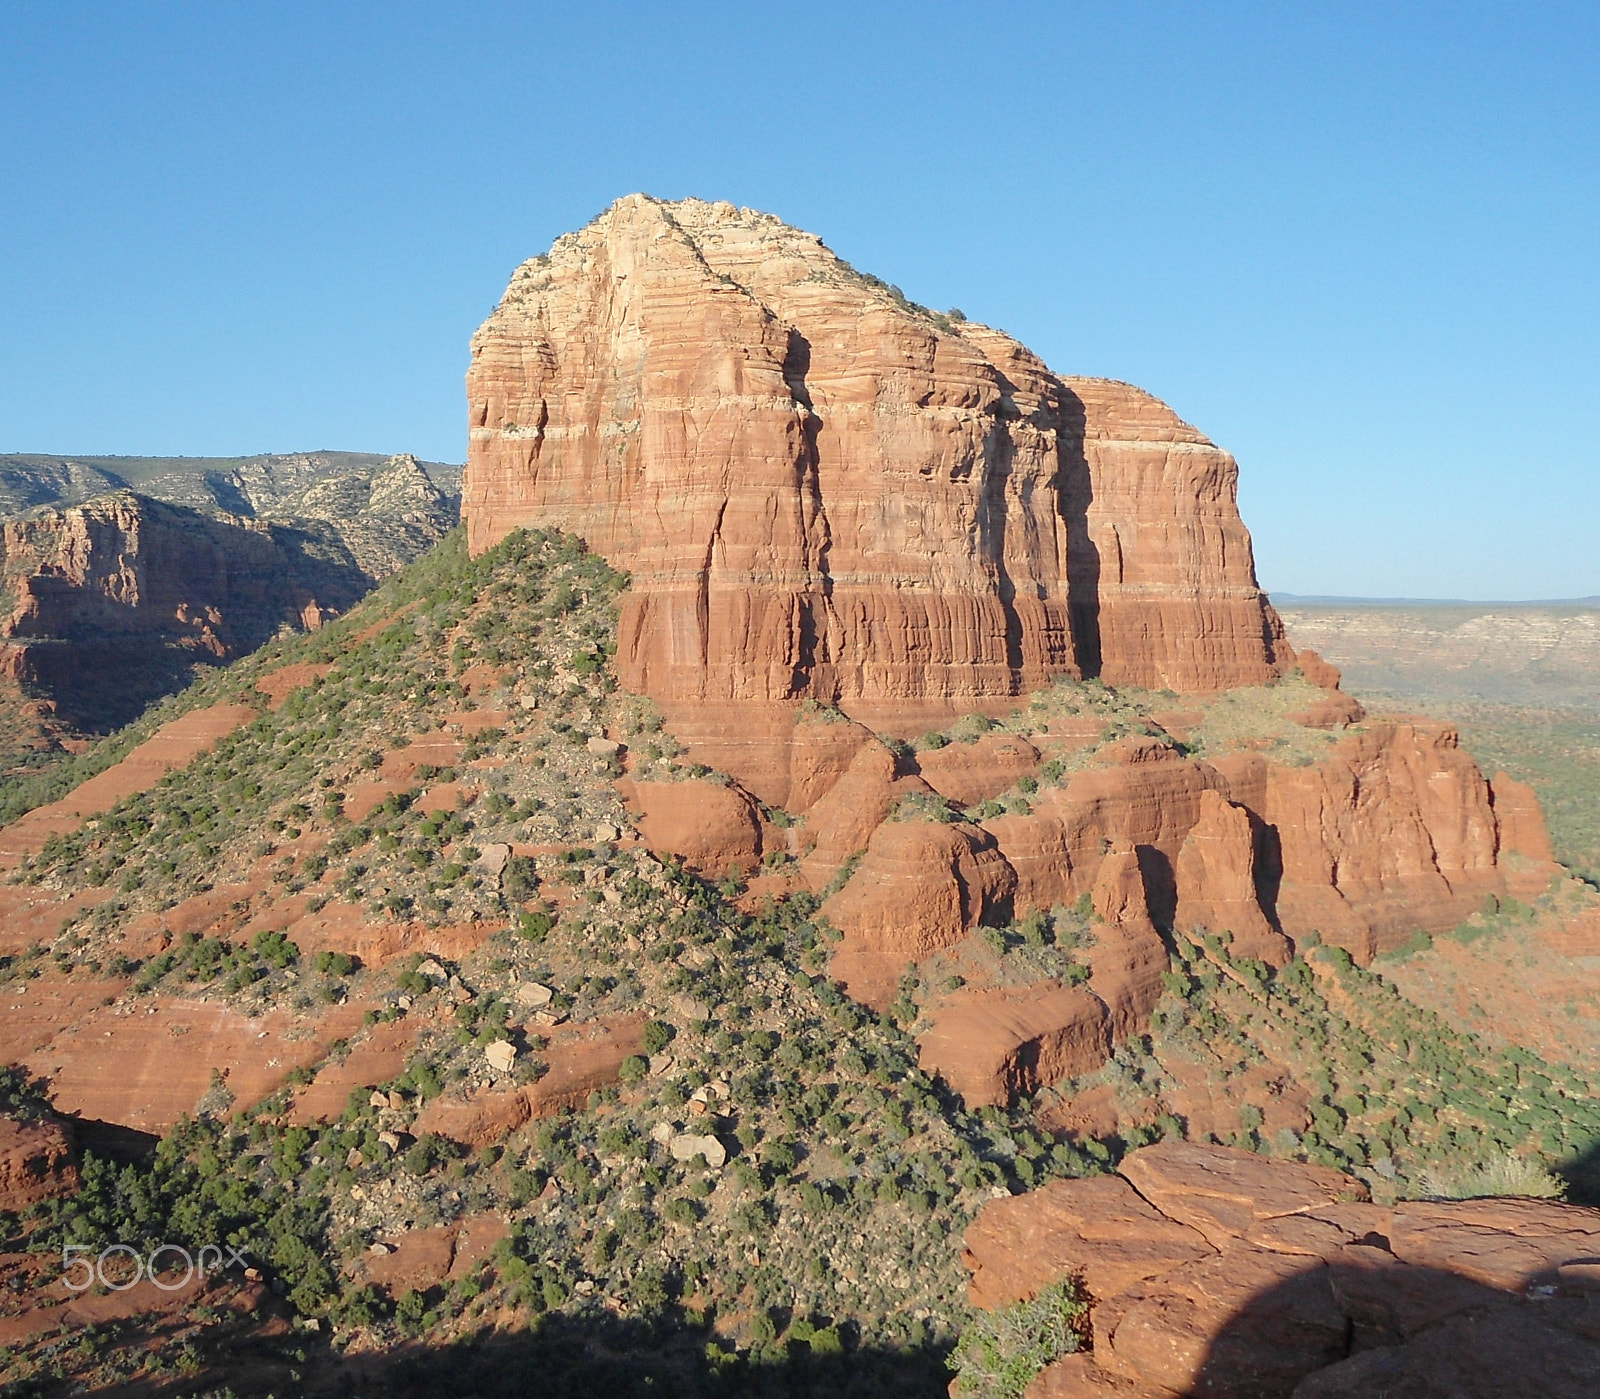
(1355, 244)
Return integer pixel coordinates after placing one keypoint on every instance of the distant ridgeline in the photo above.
(138, 568)
(344, 488)
(1500, 652)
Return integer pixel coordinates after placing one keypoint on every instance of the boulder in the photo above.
(1224, 1192)
(711, 826)
(492, 859)
(1076, 1376)
(1506, 1350)
(1250, 1322)
(922, 887)
(685, 1146)
(992, 1046)
(1503, 1243)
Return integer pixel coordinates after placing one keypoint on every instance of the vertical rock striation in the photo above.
(822, 490)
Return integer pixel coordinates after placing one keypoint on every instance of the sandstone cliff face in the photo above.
(1165, 591)
(132, 587)
(1393, 833)
(1219, 881)
(823, 491)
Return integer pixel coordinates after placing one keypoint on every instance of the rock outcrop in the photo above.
(922, 887)
(712, 827)
(1395, 831)
(992, 1046)
(1219, 882)
(1218, 1272)
(822, 490)
(38, 1161)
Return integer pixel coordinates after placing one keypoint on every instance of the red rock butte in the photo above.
(822, 490)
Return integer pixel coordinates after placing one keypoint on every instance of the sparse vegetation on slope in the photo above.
(835, 1220)
(1325, 1062)
(709, 1171)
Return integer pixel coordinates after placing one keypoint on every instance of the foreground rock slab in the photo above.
(1217, 1272)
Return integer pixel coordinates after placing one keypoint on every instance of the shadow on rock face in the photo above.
(1358, 1329)
(1215, 1273)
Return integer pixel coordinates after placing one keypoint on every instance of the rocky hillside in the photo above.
(487, 1087)
(141, 572)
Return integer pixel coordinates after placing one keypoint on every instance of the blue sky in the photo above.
(1355, 244)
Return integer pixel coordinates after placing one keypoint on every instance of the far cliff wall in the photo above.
(111, 602)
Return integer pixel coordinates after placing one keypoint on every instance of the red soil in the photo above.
(145, 1065)
(171, 746)
(284, 681)
(379, 1057)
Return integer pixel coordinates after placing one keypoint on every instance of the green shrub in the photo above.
(335, 963)
(1000, 1352)
(535, 926)
(519, 881)
(657, 1035)
(275, 949)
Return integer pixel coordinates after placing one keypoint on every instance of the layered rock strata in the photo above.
(1218, 1272)
(843, 516)
(823, 490)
